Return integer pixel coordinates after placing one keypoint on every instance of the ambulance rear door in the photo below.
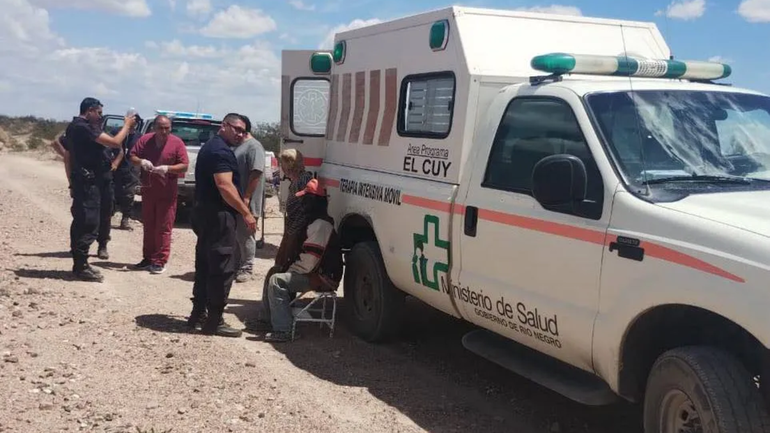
(304, 108)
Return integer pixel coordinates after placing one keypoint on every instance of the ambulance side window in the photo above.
(309, 106)
(533, 128)
(426, 105)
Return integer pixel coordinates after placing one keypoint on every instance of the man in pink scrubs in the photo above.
(163, 159)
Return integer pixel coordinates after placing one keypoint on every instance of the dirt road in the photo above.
(114, 357)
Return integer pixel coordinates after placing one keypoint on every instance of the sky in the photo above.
(217, 56)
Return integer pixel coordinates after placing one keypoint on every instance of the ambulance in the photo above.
(598, 208)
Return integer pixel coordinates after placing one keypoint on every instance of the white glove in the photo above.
(161, 169)
(146, 165)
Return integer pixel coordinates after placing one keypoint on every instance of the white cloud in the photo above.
(175, 48)
(554, 9)
(247, 81)
(239, 22)
(199, 7)
(300, 5)
(132, 8)
(24, 26)
(720, 59)
(328, 42)
(755, 11)
(684, 9)
(172, 4)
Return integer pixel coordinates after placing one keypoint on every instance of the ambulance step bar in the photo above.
(548, 372)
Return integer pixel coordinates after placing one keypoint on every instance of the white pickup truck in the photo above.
(598, 209)
(194, 129)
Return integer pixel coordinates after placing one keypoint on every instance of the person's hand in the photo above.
(130, 121)
(251, 222)
(147, 165)
(114, 166)
(161, 169)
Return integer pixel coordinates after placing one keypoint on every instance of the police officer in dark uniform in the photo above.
(86, 143)
(126, 176)
(217, 200)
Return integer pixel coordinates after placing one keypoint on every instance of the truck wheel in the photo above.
(373, 304)
(702, 390)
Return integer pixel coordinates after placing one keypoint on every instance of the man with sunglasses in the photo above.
(90, 174)
(163, 158)
(214, 219)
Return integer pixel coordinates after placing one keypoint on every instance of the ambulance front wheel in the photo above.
(702, 389)
(373, 305)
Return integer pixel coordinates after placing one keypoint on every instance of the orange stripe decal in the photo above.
(358, 111)
(389, 116)
(342, 129)
(329, 183)
(374, 106)
(564, 230)
(673, 256)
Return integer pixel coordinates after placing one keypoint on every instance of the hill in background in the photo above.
(20, 134)
(28, 132)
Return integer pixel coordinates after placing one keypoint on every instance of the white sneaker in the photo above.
(157, 269)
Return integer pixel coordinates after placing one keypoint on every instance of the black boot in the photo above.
(216, 325)
(197, 318)
(102, 252)
(85, 272)
(124, 223)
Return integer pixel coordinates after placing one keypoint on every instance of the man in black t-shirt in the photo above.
(90, 172)
(217, 200)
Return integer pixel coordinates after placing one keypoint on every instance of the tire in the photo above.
(373, 305)
(713, 382)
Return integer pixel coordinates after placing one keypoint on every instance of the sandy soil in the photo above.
(115, 357)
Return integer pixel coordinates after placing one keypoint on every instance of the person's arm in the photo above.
(134, 155)
(254, 179)
(257, 163)
(117, 141)
(116, 162)
(68, 167)
(224, 182)
(57, 147)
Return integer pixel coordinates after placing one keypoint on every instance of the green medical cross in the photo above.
(419, 264)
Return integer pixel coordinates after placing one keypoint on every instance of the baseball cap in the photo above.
(312, 187)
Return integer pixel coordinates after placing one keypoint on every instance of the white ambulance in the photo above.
(598, 209)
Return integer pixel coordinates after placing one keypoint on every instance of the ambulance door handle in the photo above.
(471, 220)
(628, 248)
(292, 140)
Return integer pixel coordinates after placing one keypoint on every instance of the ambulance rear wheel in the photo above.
(702, 390)
(373, 305)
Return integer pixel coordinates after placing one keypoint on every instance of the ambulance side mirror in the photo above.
(559, 183)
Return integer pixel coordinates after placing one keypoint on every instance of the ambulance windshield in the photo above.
(660, 136)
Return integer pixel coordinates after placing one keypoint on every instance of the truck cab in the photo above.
(592, 205)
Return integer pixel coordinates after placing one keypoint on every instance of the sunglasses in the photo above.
(238, 130)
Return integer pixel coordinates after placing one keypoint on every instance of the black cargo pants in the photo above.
(86, 207)
(106, 205)
(126, 180)
(216, 258)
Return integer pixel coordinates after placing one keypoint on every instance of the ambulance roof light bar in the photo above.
(563, 63)
(184, 115)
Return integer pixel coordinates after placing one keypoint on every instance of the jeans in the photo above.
(276, 307)
(247, 245)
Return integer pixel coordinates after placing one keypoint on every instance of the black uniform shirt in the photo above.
(85, 152)
(214, 157)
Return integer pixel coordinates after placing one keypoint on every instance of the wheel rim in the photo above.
(679, 415)
(365, 299)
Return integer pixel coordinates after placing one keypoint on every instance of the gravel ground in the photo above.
(115, 357)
